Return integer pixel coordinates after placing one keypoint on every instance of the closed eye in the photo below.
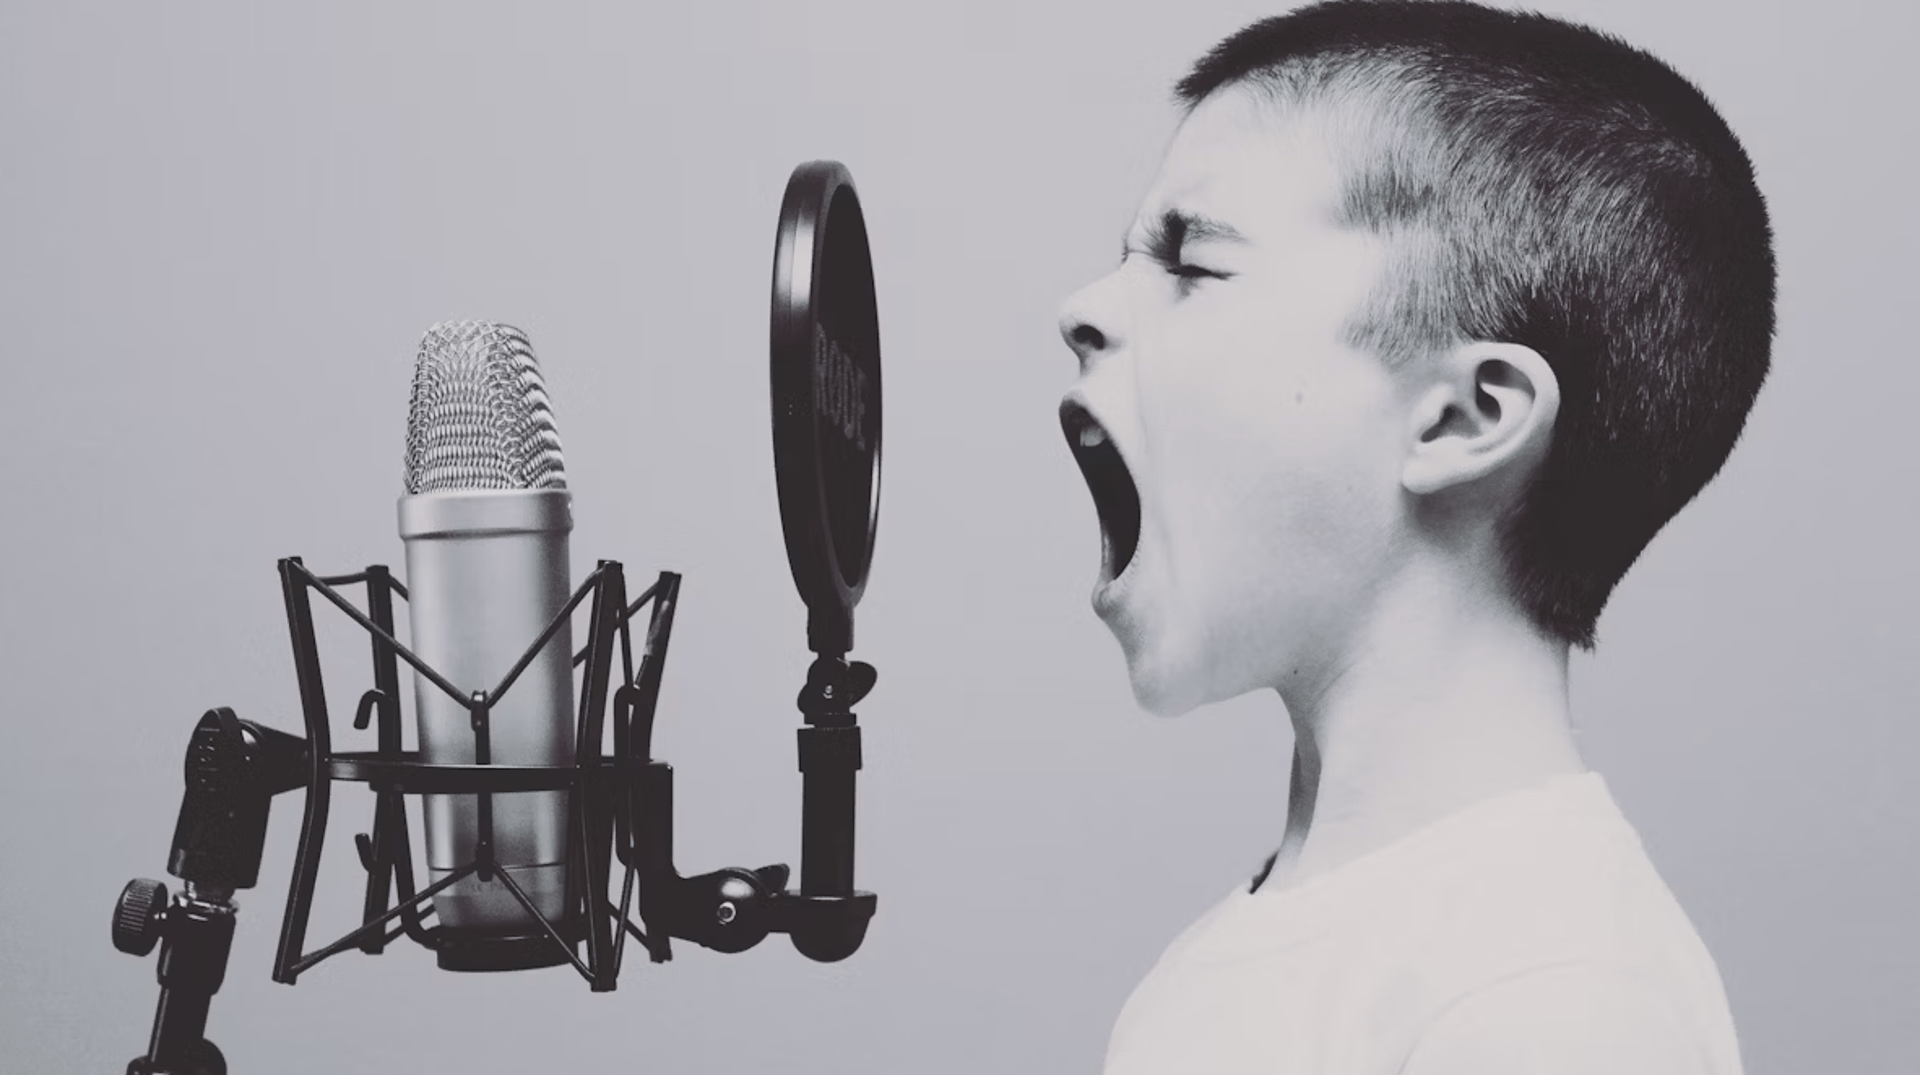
(1194, 272)
(1164, 238)
(1186, 274)
(1187, 277)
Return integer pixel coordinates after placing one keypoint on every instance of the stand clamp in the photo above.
(234, 768)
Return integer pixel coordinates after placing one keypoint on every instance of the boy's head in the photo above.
(1387, 229)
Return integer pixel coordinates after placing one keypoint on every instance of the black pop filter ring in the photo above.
(826, 397)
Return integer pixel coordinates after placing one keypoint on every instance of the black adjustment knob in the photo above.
(774, 876)
(835, 686)
(137, 918)
(861, 677)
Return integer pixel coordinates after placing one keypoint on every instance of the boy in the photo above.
(1432, 318)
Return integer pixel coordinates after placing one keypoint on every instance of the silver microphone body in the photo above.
(487, 570)
(485, 522)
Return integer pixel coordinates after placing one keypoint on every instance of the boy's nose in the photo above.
(1087, 326)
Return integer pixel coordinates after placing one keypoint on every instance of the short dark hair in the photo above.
(1545, 184)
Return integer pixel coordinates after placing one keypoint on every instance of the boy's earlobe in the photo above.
(1486, 411)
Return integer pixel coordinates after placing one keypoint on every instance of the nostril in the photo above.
(1084, 337)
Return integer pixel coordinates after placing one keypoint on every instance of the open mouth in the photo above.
(1115, 498)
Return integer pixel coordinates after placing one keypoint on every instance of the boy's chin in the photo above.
(1170, 667)
(1171, 681)
(1166, 688)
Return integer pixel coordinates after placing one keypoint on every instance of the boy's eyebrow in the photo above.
(1177, 227)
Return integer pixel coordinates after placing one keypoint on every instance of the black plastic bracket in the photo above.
(233, 769)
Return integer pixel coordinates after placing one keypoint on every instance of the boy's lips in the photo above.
(1116, 499)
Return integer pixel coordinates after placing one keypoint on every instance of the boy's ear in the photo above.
(1483, 410)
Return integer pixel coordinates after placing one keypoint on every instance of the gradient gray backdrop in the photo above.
(222, 231)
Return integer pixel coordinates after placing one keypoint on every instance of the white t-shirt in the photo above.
(1537, 908)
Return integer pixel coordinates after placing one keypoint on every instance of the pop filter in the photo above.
(826, 397)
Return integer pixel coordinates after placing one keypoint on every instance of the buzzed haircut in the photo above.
(1541, 183)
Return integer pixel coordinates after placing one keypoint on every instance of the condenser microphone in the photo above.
(485, 521)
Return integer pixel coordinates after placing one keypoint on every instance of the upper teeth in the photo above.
(1092, 437)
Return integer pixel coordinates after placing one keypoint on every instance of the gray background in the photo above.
(222, 231)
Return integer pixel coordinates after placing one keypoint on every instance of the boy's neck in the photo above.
(1446, 698)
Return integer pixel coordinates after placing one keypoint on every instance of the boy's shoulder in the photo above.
(1534, 904)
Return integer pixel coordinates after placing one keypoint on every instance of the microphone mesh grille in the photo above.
(480, 418)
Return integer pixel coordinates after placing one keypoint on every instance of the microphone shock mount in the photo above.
(620, 810)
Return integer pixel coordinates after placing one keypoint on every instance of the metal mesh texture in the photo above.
(480, 418)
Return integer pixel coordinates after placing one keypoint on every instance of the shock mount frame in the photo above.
(620, 809)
